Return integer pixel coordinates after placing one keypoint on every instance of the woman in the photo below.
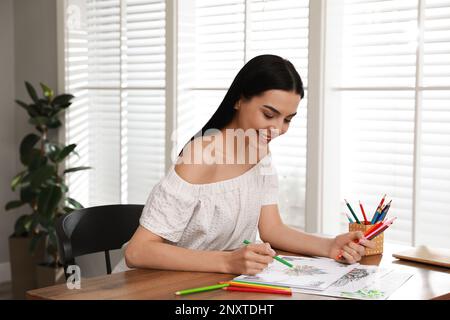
(197, 217)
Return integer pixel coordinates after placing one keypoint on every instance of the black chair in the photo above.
(96, 229)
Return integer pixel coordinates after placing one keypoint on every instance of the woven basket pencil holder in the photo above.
(379, 240)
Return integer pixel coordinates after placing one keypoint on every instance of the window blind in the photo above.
(281, 28)
(433, 216)
(115, 66)
(226, 34)
(395, 139)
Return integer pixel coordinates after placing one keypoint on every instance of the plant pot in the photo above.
(23, 265)
(49, 275)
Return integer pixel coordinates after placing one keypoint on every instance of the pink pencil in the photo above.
(383, 226)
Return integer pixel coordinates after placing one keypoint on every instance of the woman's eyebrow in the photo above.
(276, 111)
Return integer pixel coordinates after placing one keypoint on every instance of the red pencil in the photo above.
(240, 289)
(363, 213)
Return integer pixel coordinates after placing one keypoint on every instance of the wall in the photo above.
(8, 154)
(29, 52)
(28, 42)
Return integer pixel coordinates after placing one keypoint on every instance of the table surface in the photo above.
(428, 282)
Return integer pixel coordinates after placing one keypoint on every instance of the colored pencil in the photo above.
(270, 291)
(384, 212)
(353, 212)
(380, 229)
(363, 213)
(376, 216)
(201, 289)
(258, 283)
(368, 231)
(256, 286)
(378, 208)
(276, 257)
(373, 232)
(349, 219)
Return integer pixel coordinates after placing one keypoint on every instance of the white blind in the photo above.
(395, 98)
(281, 28)
(225, 35)
(115, 66)
(433, 215)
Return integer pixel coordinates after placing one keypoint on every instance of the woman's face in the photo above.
(273, 110)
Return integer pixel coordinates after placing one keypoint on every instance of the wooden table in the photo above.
(428, 282)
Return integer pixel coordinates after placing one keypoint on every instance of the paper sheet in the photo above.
(308, 273)
(322, 276)
(365, 283)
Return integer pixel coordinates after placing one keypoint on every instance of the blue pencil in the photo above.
(384, 212)
(375, 216)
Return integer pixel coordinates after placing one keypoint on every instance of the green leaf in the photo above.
(27, 195)
(22, 104)
(41, 175)
(14, 204)
(39, 121)
(76, 169)
(17, 180)
(64, 187)
(31, 92)
(53, 123)
(48, 200)
(75, 203)
(26, 147)
(37, 160)
(48, 93)
(22, 225)
(62, 101)
(29, 108)
(52, 151)
(65, 152)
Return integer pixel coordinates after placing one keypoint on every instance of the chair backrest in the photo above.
(96, 229)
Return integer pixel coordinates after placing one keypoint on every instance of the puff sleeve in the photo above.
(168, 210)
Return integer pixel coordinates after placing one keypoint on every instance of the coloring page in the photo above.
(364, 283)
(307, 273)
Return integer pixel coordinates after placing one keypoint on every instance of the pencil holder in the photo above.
(379, 240)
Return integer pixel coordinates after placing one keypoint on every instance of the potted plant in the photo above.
(41, 185)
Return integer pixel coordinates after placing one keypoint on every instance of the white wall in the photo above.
(28, 52)
(8, 154)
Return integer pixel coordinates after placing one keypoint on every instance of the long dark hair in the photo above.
(262, 73)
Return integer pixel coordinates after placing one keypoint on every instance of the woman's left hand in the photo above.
(349, 251)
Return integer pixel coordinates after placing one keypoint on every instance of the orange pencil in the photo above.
(254, 285)
(273, 291)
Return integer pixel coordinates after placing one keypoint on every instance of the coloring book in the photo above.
(307, 273)
(323, 276)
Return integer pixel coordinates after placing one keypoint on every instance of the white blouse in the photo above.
(212, 216)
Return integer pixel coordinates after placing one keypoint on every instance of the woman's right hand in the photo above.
(250, 259)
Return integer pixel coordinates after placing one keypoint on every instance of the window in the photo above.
(115, 66)
(379, 98)
(216, 39)
(395, 121)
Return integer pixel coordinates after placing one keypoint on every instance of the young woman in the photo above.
(197, 217)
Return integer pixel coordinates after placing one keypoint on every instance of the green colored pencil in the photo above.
(201, 289)
(353, 212)
(276, 257)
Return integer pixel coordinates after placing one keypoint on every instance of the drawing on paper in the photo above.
(312, 273)
(304, 270)
(364, 294)
(356, 274)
